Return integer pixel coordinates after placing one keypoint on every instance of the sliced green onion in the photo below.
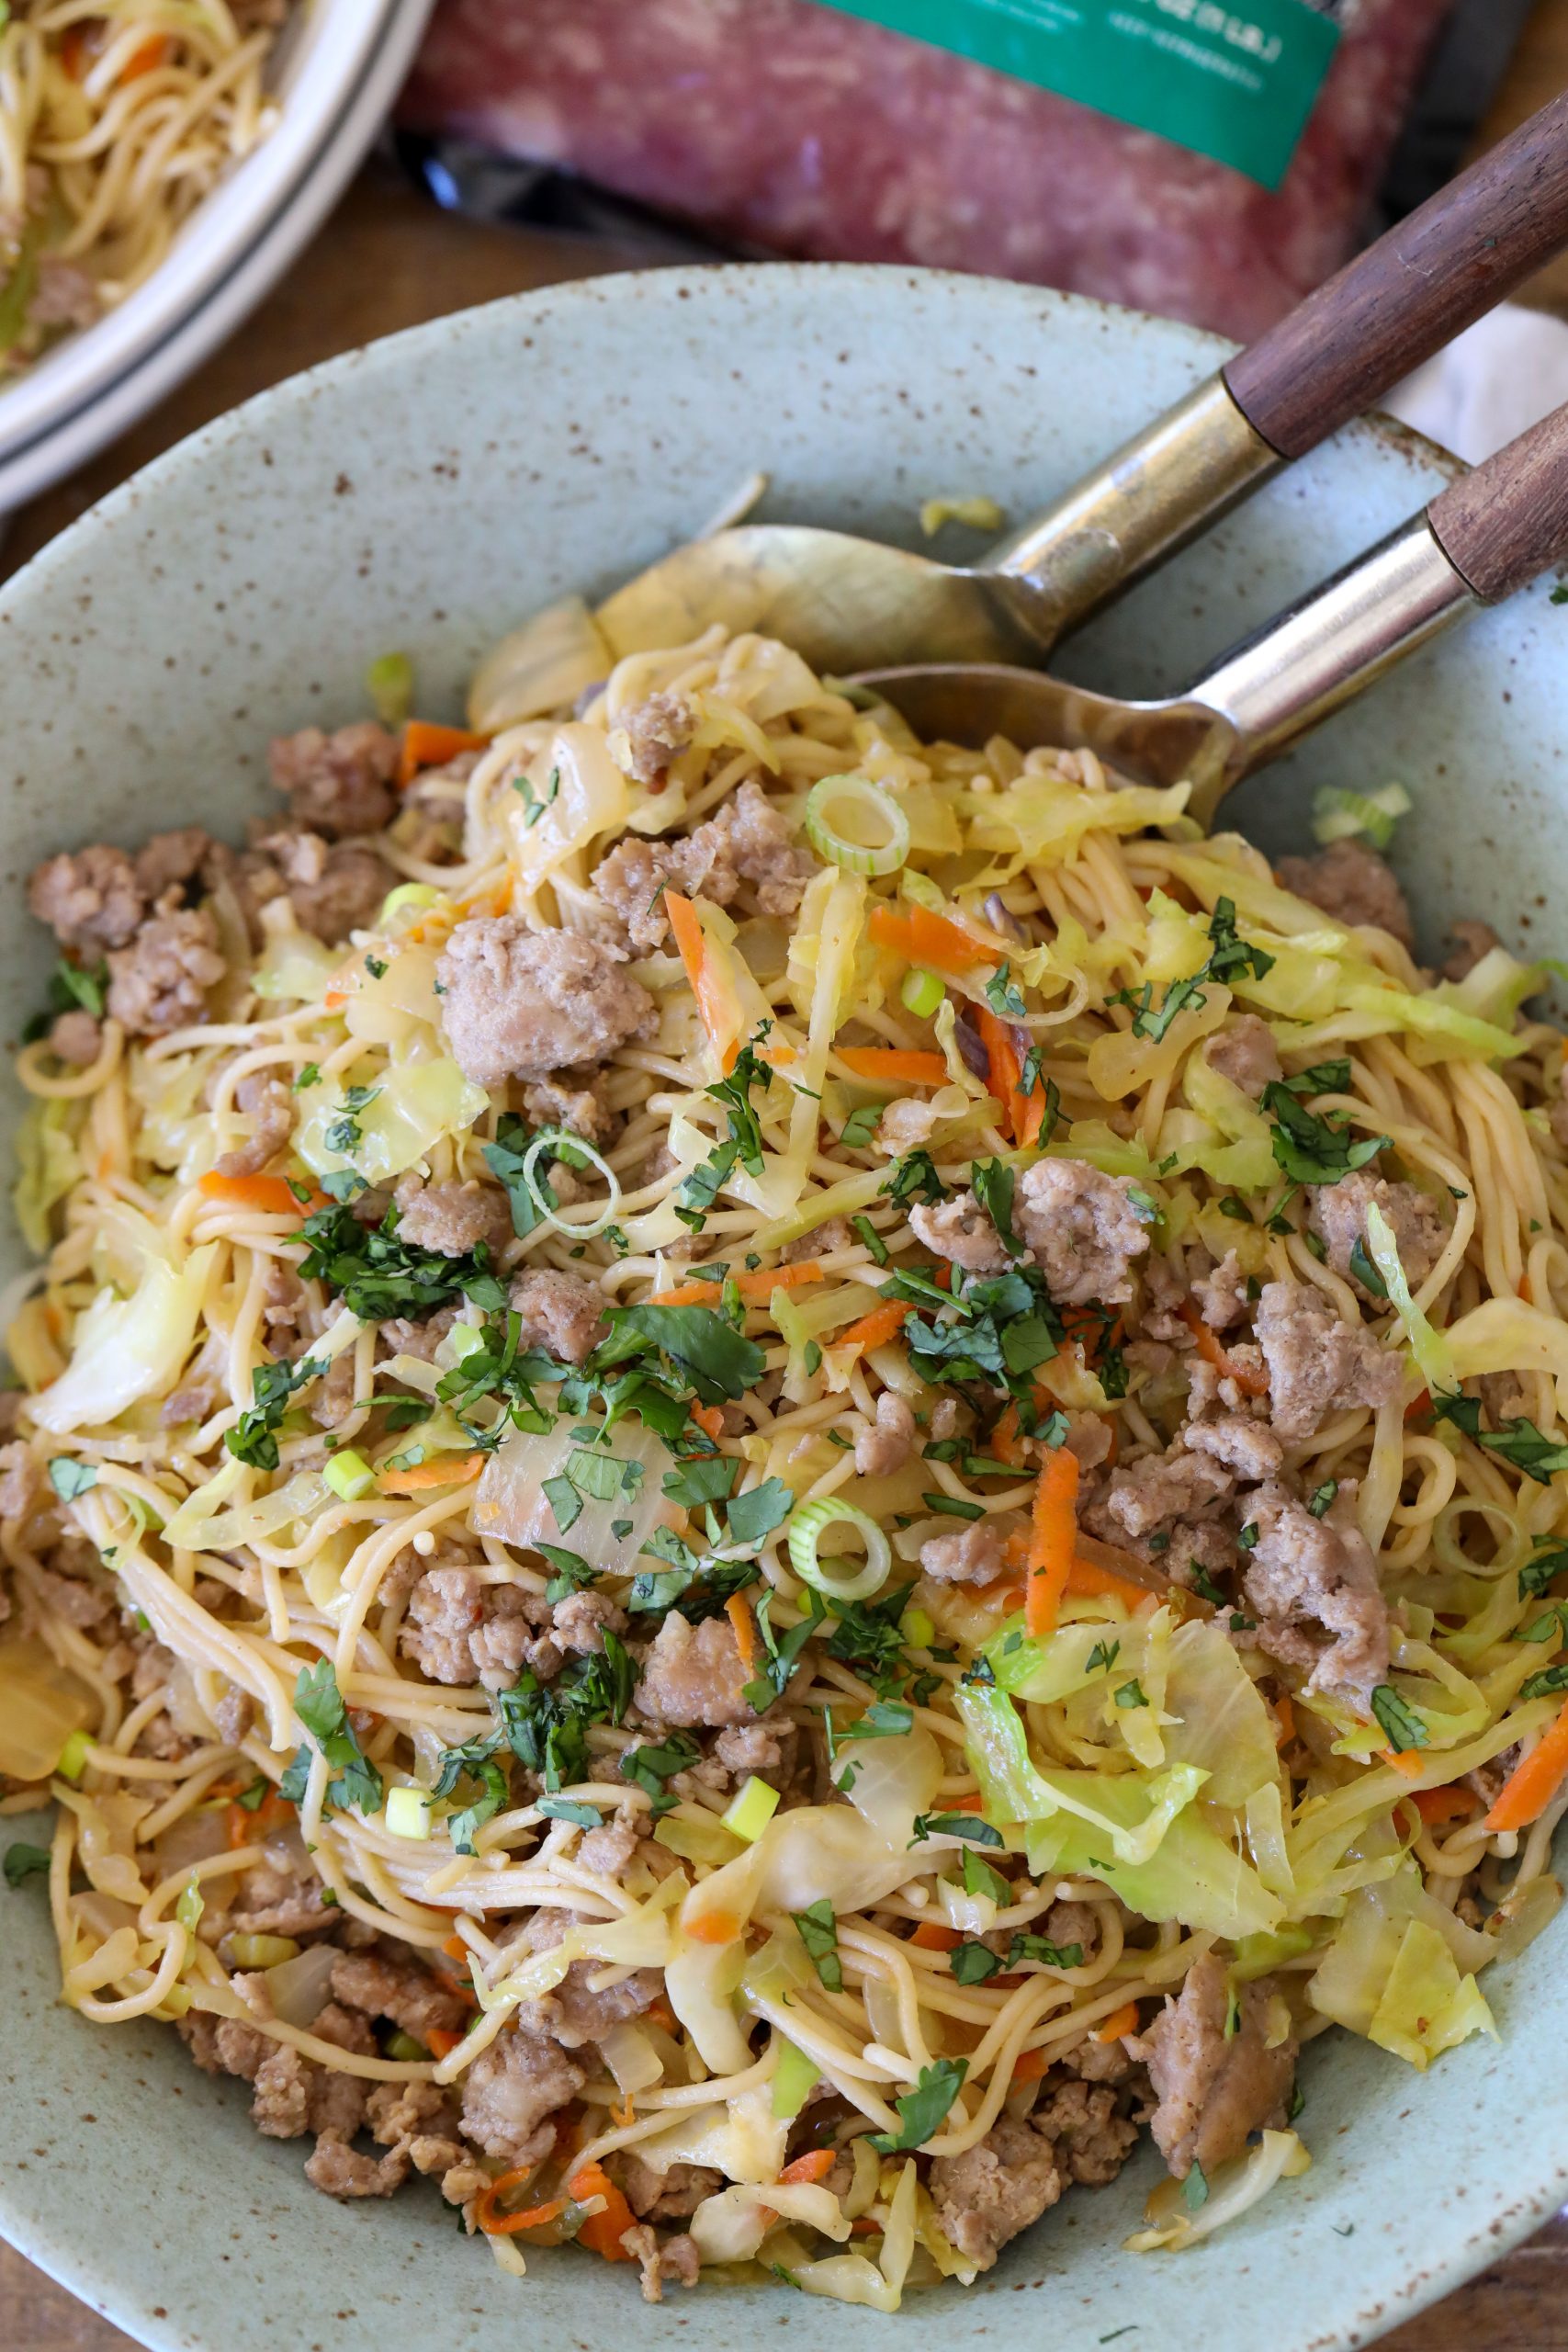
(1429, 1348)
(550, 1139)
(262, 1952)
(921, 993)
(408, 1812)
(1339, 815)
(408, 896)
(349, 1475)
(74, 1756)
(404, 2045)
(750, 1809)
(854, 823)
(389, 681)
(190, 1907)
(839, 1579)
(794, 2078)
(917, 1628)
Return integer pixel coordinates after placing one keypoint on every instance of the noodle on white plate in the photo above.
(116, 118)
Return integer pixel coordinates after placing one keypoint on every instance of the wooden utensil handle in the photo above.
(1395, 304)
(1507, 522)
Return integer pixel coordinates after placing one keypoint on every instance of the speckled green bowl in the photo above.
(427, 493)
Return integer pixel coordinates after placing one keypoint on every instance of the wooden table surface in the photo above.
(385, 260)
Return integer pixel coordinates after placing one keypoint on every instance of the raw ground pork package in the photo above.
(1209, 159)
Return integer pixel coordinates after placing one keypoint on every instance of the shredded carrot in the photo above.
(709, 1418)
(864, 2227)
(440, 2041)
(1438, 1805)
(1418, 1404)
(661, 2014)
(602, 2232)
(884, 1322)
(1524, 1291)
(1119, 2021)
(714, 1927)
(242, 1825)
(932, 1936)
(1026, 1113)
(760, 1285)
(741, 1617)
(1251, 1383)
(922, 937)
(1004, 1442)
(446, 1470)
(1031, 2064)
(814, 2166)
(503, 2225)
(874, 1330)
(970, 1801)
(1403, 1759)
(894, 1065)
(692, 944)
(1285, 1719)
(425, 745)
(455, 1949)
(1091, 1582)
(146, 57)
(1531, 1785)
(269, 1193)
(1052, 1540)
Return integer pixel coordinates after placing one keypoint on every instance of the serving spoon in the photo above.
(849, 604)
(1483, 537)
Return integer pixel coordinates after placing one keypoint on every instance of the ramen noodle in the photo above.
(766, 1477)
(116, 118)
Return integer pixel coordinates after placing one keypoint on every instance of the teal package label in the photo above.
(1235, 82)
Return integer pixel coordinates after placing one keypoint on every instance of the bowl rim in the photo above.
(341, 40)
(1515, 2205)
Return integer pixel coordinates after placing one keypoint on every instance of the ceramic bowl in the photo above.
(337, 73)
(426, 494)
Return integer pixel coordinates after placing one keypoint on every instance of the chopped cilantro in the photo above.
(1398, 1720)
(378, 1276)
(818, 1931)
(872, 1239)
(1310, 1150)
(24, 1861)
(1003, 994)
(70, 1478)
(971, 1964)
(967, 1825)
(318, 1705)
(921, 2110)
(860, 1126)
(1049, 1955)
(914, 1178)
(253, 1438)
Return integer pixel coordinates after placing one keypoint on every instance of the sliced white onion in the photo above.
(854, 823)
(297, 1988)
(631, 2058)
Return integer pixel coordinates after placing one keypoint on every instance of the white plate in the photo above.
(27, 471)
(341, 48)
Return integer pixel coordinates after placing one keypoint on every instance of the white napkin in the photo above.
(1491, 382)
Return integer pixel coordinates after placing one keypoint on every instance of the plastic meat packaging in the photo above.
(803, 128)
